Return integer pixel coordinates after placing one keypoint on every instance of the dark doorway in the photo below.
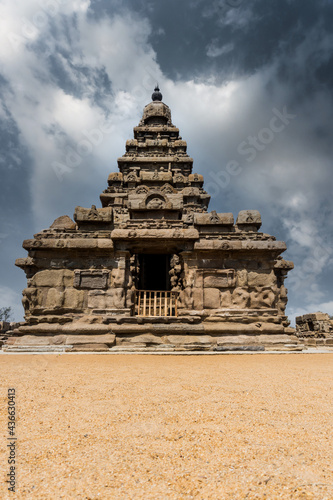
(154, 272)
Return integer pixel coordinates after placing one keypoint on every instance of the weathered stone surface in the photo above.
(63, 222)
(261, 278)
(250, 217)
(219, 279)
(144, 339)
(73, 299)
(189, 339)
(212, 298)
(91, 278)
(93, 215)
(213, 218)
(315, 325)
(252, 339)
(49, 278)
(33, 340)
(78, 327)
(89, 348)
(107, 339)
(54, 298)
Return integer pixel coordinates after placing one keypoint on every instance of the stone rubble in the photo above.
(315, 329)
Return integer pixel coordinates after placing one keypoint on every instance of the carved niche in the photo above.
(91, 279)
(155, 201)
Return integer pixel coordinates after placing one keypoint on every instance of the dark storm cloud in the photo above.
(253, 33)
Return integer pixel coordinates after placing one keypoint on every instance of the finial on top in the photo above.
(156, 95)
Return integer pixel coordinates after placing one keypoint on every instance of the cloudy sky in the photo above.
(249, 83)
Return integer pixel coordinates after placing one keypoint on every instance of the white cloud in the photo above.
(213, 50)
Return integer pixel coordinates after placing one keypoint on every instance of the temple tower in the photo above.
(153, 269)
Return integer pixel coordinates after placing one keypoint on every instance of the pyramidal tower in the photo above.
(153, 269)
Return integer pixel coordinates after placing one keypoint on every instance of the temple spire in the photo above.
(156, 95)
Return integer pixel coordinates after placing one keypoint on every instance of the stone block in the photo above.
(91, 278)
(189, 339)
(67, 278)
(97, 299)
(144, 339)
(252, 339)
(107, 339)
(74, 299)
(93, 214)
(48, 278)
(63, 222)
(251, 217)
(197, 295)
(54, 298)
(242, 278)
(219, 278)
(213, 218)
(89, 348)
(212, 298)
(236, 340)
(85, 327)
(261, 279)
(39, 340)
(318, 316)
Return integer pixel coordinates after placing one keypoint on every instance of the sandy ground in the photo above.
(169, 427)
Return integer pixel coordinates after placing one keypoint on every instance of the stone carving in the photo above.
(32, 298)
(262, 297)
(93, 213)
(188, 218)
(226, 299)
(205, 219)
(142, 190)
(117, 290)
(175, 273)
(240, 298)
(91, 279)
(121, 214)
(133, 280)
(155, 203)
(219, 278)
(214, 217)
(250, 218)
(188, 284)
(167, 189)
(282, 300)
(131, 178)
(97, 215)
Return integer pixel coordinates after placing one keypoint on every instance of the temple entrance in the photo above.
(153, 297)
(154, 272)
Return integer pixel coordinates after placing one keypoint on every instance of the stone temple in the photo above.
(153, 269)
